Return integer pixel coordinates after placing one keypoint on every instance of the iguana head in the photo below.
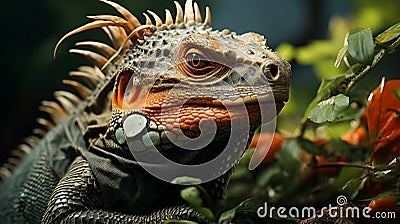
(185, 89)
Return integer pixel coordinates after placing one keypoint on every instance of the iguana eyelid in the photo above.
(211, 68)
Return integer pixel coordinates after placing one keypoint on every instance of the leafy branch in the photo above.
(361, 53)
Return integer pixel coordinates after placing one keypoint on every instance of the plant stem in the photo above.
(342, 164)
(358, 75)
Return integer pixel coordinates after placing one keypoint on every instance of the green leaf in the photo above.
(396, 93)
(227, 216)
(309, 146)
(206, 212)
(192, 196)
(389, 34)
(336, 147)
(342, 52)
(388, 172)
(361, 45)
(247, 208)
(349, 181)
(288, 157)
(286, 51)
(247, 155)
(329, 110)
(349, 114)
(270, 176)
(327, 87)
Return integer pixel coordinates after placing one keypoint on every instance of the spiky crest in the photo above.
(120, 30)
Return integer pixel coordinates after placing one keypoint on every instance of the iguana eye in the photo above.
(196, 64)
(196, 61)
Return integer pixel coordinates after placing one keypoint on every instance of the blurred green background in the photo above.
(307, 32)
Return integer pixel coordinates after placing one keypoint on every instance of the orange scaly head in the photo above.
(194, 73)
(184, 89)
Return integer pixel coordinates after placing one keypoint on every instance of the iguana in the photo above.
(161, 86)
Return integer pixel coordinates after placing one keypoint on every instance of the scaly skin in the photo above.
(160, 80)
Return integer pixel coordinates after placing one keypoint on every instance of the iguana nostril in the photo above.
(271, 71)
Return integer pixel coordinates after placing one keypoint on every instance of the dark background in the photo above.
(30, 30)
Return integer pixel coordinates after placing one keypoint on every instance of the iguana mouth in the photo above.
(209, 102)
(239, 96)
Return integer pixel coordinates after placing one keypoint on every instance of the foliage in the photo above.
(361, 162)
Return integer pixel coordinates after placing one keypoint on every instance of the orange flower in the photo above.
(383, 122)
(385, 204)
(263, 143)
(355, 137)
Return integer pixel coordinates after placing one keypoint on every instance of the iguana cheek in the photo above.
(155, 100)
(129, 96)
